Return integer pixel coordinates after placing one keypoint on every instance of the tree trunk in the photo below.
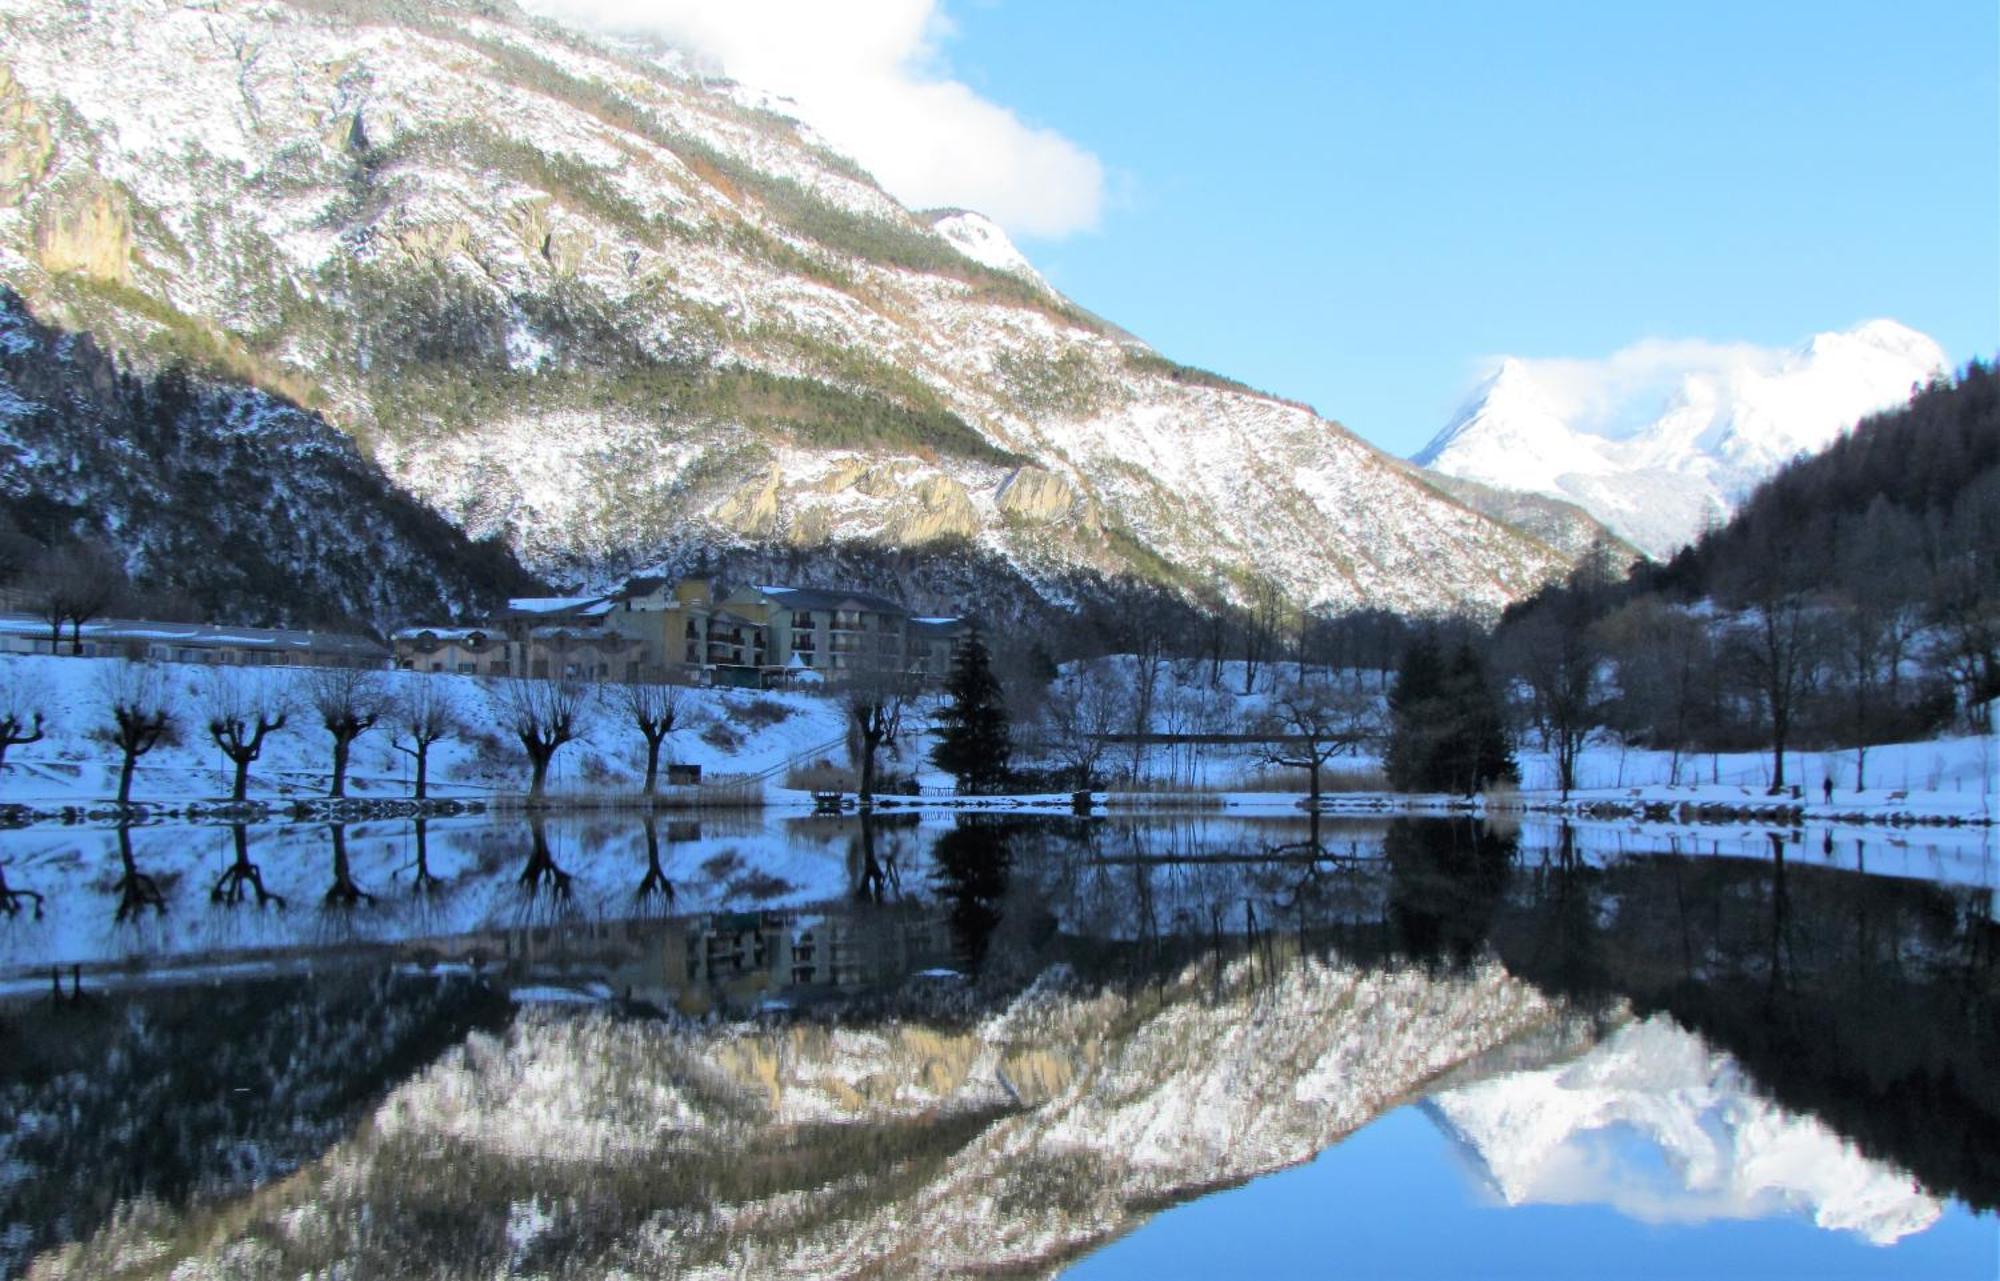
(340, 746)
(423, 769)
(652, 763)
(240, 789)
(538, 779)
(125, 777)
(869, 741)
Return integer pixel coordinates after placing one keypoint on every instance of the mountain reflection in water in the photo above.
(1004, 1041)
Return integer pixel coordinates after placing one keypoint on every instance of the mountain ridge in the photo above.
(1661, 440)
(613, 315)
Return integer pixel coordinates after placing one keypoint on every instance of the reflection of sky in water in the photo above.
(1399, 1200)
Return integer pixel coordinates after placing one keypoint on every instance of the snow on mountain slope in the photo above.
(570, 294)
(981, 239)
(1661, 438)
(1657, 1125)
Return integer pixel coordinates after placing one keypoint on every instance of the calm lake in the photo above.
(996, 1044)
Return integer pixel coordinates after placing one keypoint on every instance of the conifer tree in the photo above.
(972, 736)
(1447, 733)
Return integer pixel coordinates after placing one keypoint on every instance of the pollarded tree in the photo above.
(21, 720)
(653, 709)
(424, 715)
(141, 716)
(543, 713)
(1312, 721)
(349, 702)
(972, 735)
(242, 709)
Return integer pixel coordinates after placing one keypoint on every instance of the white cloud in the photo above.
(1628, 389)
(868, 75)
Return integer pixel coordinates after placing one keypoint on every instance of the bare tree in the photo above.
(543, 713)
(423, 715)
(349, 702)
(875, 693)
(1084, 707)
(21, 700)
(1556, 651)
(242, 710)
(653, 709)
(74, 583)
(1776, 646)
(1313, 721)
(1261, 624)
(142, 715)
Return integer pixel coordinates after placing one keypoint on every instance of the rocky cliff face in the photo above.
(566, 292)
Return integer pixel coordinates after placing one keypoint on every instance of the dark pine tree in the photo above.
(1478, 752)
(972, 735)
(1446, 731)
(1414, 716)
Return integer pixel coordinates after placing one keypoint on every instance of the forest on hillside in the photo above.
(1853, 600)
(171, 495)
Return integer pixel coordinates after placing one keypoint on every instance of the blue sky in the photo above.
(1355, 205)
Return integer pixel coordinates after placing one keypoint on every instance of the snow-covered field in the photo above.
(726, 732)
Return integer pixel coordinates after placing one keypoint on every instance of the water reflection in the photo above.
(1048, 1029)
(1656, 1124)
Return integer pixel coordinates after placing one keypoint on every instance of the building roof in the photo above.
(200, 635)
(442, 633)
(819, 598)
(551, 604)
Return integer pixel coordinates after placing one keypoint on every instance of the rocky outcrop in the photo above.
(26, 146)
(938, 507)
(86, 228)
(1037, 494)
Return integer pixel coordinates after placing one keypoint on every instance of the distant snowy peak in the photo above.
(1660, 438)
(981, 239)
(1662, 1128)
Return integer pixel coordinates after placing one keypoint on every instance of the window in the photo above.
(802, 618)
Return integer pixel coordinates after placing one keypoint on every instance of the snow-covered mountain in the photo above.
(567, 291)
(1654, 1123)
(1660, 439)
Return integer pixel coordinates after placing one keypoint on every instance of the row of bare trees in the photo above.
(240, 709)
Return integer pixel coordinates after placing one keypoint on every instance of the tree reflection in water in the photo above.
(541, 879)
(655, 892)
(241, 874)
(1868, 1002)
(136, 891)
(344, 894)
